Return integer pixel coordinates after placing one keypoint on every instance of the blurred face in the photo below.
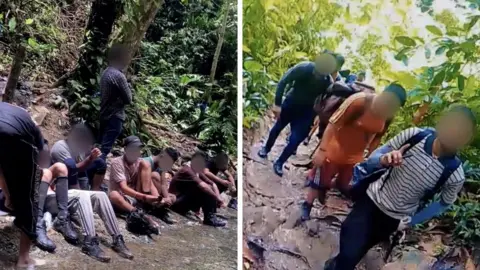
(80, 144)
(166, 162)
(361, 78)
(44, 159)
(325, 64)
(386, 104)
(132, 153)
(455, 131)
(198, 164)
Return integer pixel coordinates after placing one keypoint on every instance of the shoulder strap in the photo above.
(415, 139)
(361, 111)
(450, 166)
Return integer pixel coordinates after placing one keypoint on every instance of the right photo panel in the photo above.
(360, 147)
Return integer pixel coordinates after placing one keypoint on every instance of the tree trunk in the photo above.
(99, 27)
(133, 30)
(221, 37)
(14, 73)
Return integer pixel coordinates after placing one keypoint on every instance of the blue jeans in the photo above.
(109, 131)
(300, 118)
(98, 166)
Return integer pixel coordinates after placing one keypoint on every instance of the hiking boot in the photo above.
(263, 153)
(164, 215)
(43, 242)
(91, 247)
(306, 209)
(139, 223)
(233, 204)
(212, 220)
(64, 226)
(278, 169)
(120, 247)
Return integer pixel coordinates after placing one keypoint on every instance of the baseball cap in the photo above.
(132, 141)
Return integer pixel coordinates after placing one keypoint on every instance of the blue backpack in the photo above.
(363, 178)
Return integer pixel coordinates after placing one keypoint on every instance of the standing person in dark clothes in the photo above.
(20, 143)
(192, 192)
(220, 165)
(115, 95)
(307, 81)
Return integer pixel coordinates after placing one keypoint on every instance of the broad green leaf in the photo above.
(32, 42)
(300, 55)
(267, 4)
(252, 66)
(434, 30)
(461, 82)
(440, 50)
(246, 49)
(468, 46)
(473, 21)
(428, 53)
(406, 41)
(438, 78)
(12, 23)
(29, 21)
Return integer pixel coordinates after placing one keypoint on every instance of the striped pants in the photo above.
(87, 202)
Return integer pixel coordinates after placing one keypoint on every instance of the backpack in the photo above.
(137, 223)
(361, 184)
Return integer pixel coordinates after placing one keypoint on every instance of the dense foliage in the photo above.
(432, 51)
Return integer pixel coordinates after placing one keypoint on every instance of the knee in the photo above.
(100, 166)
(47, 176)
(143, 165)
(71, 164)
(156, 177)
(114, 196)
(204, 185)
(59, 170)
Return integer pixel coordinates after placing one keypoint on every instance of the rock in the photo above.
(411, 260)
(312, 227)
(39, 113)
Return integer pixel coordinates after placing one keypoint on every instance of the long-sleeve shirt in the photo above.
(304, 83)
(115, 94)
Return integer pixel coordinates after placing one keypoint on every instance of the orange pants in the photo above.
(322, 176)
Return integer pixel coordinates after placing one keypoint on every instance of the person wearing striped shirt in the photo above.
(393, 202)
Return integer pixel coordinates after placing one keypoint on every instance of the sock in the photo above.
(42, 196)
(61, 191)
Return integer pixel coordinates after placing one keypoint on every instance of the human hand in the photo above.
(276, 111)
(404, 223)
(319, 157)
(151, 199)
(95, 153)
(394, 158)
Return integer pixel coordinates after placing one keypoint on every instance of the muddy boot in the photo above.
(91, 247)
(263, 153)
(278, 169)
(64, 226)
(306, 209)
(212, 220)
(120, 247)
(43, 242)
(164, 215)
(233, 204)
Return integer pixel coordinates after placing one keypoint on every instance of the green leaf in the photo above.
(252, 66)
(468, 46)
(29, 21)
(438, 78)
(434, 30)
(406, 41)
(473, 21)
(461, 82)
(12, 24)
(428, 53)
(440, 50)
(32, 42)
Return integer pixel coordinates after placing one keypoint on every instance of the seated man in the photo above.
(192, 192)
(84, 163)
(220, 164)
(130, 181)
(160, 165)
(84, 203)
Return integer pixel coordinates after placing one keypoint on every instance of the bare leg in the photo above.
(3, 186)
(24, 259)
(119, 201)
(97, 181)
(145, 183)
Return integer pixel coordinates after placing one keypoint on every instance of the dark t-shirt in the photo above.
(115, 94)
(184, 180)
(212, 167)
(15, 122)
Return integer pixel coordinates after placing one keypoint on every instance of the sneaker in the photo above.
(91, 247)
(306, 209)
(43, 242)
(64, 226)
(263, 153)
(120, 247)
(278, 169)
(212, 220)
(233, 204)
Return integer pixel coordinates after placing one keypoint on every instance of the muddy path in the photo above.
(271, 208)
(185, 245)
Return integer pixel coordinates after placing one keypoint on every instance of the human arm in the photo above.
(288, 78)
(215, 178)
(123, 87)
(205, 185)
(230, 177)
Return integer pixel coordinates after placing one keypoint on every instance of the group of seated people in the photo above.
(74, 172)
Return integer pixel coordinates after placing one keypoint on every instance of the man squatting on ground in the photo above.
(219, 164)
(307, 81)
(358, 123)
(392, 203)
(80, 203)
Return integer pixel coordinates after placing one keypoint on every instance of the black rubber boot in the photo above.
(212, 220)
(120, 247)
(91, 247)
(64, 226)
(43, 242)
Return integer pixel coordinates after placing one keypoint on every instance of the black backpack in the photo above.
(137, 223)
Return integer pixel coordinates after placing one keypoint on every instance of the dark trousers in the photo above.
(110, 129)
(192, 200)
(365, 227)
(98, 166)
(300, 119)
(18, 162)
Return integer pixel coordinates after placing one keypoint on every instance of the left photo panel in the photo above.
(118, 134)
